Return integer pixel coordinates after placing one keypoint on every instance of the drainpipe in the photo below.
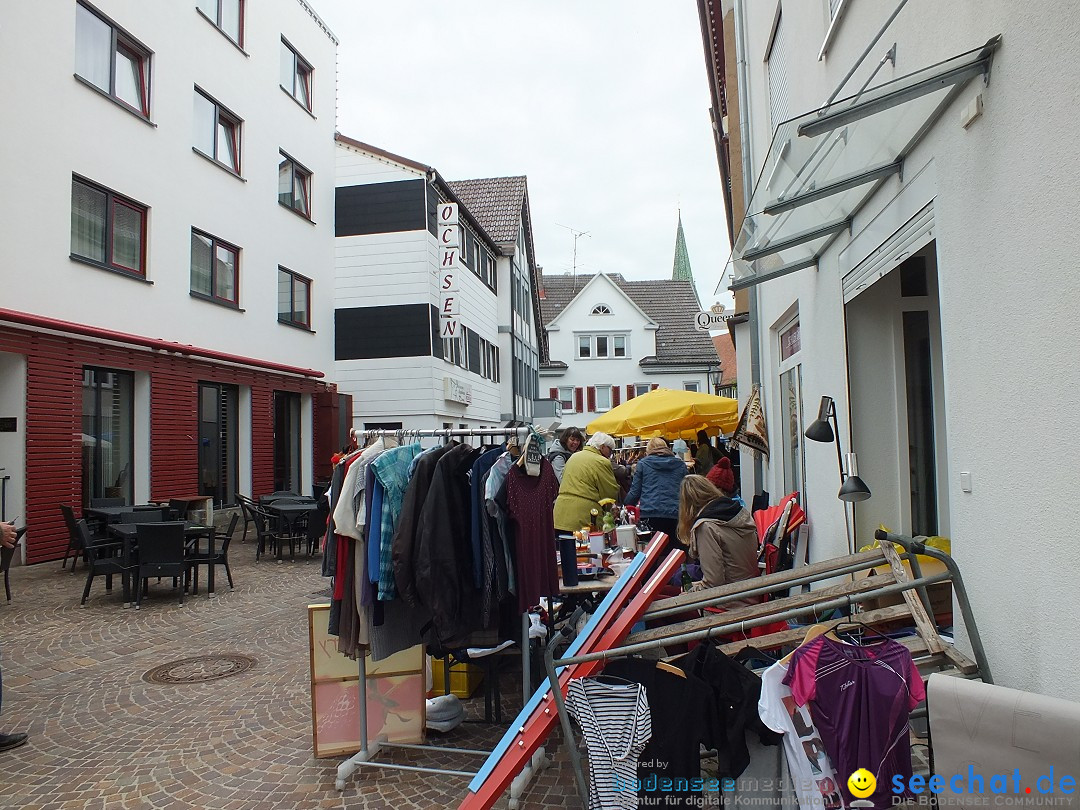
(748, 190)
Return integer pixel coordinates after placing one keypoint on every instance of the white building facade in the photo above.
(882, 234)
(609, 340)
(167, 251)
(391, 353)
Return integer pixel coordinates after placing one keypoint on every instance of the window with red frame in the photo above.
(217, 132)
(227, 15)
(112, 61)
(294, 186)
(106, 229)
(215, 267)
(295, 75)
(294, 298)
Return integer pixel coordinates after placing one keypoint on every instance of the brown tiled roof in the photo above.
(495, 202)
(726, 349)
(670, 304)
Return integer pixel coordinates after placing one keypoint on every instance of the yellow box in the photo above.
(465, 679)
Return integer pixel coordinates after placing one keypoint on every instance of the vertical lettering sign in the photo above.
(449, 238)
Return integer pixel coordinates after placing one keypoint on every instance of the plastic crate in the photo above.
(465, 679)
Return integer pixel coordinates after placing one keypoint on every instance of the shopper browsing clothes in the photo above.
(706, 455)
(7, 540)
(655, 488)
(587, 479)
(570, 441)
(720, 533)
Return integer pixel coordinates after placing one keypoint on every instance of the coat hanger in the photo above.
(666, 667)
(613, 679)
(848, 622)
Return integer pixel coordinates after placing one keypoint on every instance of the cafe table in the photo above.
(289, 513)
(129, 534)
(111, 514)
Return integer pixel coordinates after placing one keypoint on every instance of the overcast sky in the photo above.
(603, 104)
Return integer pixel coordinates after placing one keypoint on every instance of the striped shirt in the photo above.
(616, 723)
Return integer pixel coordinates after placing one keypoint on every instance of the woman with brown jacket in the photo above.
(720, 533)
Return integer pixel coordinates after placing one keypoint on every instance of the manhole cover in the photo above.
(199, 669)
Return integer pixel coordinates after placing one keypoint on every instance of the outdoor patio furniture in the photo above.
(246, 505)
(142, 516)
(267, 537)
(205, 553)
(178, 509)
(291, 516)
(161, 554)
(74, 538)
(102, 502)
(6, 556)
(104, 557)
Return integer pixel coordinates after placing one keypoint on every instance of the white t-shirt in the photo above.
(810, 767)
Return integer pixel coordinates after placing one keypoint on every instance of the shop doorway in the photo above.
(108, 434)
(287, 442)
(897, 404)
(218, 444)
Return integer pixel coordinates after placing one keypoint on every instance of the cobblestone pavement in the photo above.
(102, 737)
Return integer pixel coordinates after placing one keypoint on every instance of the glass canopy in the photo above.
(824, 165)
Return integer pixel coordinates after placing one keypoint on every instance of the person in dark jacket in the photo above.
(655, 488)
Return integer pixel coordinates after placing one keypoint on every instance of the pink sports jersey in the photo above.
(860, 697)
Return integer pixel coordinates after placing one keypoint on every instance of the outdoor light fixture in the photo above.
(852, 488)
(716, 376)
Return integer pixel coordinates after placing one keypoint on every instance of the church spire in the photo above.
(681, 269)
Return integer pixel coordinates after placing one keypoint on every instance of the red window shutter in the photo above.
(654, 386)
(554, 393)
(579, 400)
(615, 395)
(629, 392)
(592, 398)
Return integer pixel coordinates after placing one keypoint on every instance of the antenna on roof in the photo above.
(577, 235)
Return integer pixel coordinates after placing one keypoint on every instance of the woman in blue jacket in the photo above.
(655, 488)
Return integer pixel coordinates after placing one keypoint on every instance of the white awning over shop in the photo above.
(824, 165)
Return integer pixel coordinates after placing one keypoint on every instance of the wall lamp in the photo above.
(852, 488)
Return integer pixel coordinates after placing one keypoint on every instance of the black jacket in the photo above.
(404, 541)
(736, 691)
(442, 551)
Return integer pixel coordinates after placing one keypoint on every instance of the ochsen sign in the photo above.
(449, 235)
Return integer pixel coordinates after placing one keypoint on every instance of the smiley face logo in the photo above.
(861, 783)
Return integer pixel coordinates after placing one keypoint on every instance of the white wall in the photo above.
(388, 269)
(577, 319)
(155, 165)
(1004, 200)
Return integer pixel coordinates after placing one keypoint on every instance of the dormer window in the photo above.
(601, 309)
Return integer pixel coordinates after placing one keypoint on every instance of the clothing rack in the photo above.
(928, 649)
(369, 749)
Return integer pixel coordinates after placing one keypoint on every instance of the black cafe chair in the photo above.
(103, 557)
(75, 543)
(199, 554)
(161, 554)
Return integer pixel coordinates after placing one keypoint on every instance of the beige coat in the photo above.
(727, 550)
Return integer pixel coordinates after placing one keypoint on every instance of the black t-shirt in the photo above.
(680, 709)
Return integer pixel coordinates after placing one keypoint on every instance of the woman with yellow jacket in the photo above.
(587, 479)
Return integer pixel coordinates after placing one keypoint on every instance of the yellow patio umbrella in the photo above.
(666, 412)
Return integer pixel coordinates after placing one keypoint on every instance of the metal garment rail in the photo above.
(911, 546)
(368, 748)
